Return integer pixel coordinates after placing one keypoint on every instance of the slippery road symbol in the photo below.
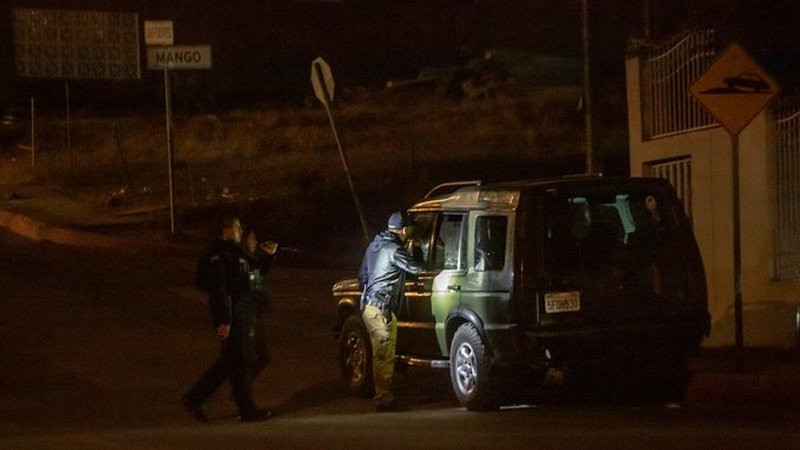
(734, 89)
(744, 83)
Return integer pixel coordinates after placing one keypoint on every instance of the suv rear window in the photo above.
(609, 243)
(490, 243)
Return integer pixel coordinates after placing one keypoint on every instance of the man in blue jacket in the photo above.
(382, 278)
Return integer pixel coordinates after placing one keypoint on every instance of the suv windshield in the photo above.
(616, 245)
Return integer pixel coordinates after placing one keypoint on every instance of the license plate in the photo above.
(558, 302)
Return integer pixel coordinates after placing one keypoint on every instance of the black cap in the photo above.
(399, 220)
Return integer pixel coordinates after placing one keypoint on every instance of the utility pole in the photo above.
(587, 90)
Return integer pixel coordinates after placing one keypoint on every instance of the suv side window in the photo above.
(421, 234)
(451, 247)
(490, 242)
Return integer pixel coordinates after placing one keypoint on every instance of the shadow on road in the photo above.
(312, 396)
(417, 388)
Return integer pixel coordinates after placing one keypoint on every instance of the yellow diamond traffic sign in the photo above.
(734, 89)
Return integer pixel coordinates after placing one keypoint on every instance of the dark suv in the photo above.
(585, 275)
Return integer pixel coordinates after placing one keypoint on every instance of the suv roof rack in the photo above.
(583, 175)
(451, 186)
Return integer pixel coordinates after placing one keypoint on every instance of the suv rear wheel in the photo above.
(355, 356)
(469, 370)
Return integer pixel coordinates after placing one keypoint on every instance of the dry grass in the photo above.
(397, 148)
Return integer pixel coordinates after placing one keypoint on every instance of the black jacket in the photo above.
(383, 271)
(229, 282)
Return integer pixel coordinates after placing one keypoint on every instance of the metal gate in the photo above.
(679, 173)
(667, 73)
(787, 229)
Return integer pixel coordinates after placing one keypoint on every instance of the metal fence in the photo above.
(787, 229)
(667, 74)
(679, 173)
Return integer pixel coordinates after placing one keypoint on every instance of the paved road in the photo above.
(98, 346)
(443, 428)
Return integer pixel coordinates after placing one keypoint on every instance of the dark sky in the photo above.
(262, 49)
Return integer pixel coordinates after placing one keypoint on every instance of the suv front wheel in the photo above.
(469, 370)
(355, 356)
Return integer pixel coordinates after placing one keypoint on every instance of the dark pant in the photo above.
(231, 365)
(261, 353)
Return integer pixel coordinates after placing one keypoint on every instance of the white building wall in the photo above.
(769, 305)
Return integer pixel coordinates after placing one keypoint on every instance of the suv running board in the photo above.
(422, 362)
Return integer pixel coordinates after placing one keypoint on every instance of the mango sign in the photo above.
(179, 57)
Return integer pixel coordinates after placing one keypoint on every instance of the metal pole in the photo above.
(123, 160)
(349, 178)
(737, 258)
(69, 132)
(33, 133)
(327, 102)
(587, 95)
(170, 163)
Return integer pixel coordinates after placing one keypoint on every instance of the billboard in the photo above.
(52, 43)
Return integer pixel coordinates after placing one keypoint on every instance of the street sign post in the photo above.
(158, 32)
(323, 84)
(74, 44)
(175, 57)
(735, 89)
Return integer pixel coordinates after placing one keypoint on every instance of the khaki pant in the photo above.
(383, 337)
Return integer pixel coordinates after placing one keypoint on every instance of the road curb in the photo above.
(37, 231)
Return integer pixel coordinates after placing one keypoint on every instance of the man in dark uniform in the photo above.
(382, 277)
(232, 311)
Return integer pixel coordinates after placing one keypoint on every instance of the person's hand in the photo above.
(413, 245)
(223, 331)
(269, 247)
(386, 312)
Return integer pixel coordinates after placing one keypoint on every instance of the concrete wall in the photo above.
(769, 305)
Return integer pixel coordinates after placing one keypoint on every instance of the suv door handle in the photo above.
(453, 288)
